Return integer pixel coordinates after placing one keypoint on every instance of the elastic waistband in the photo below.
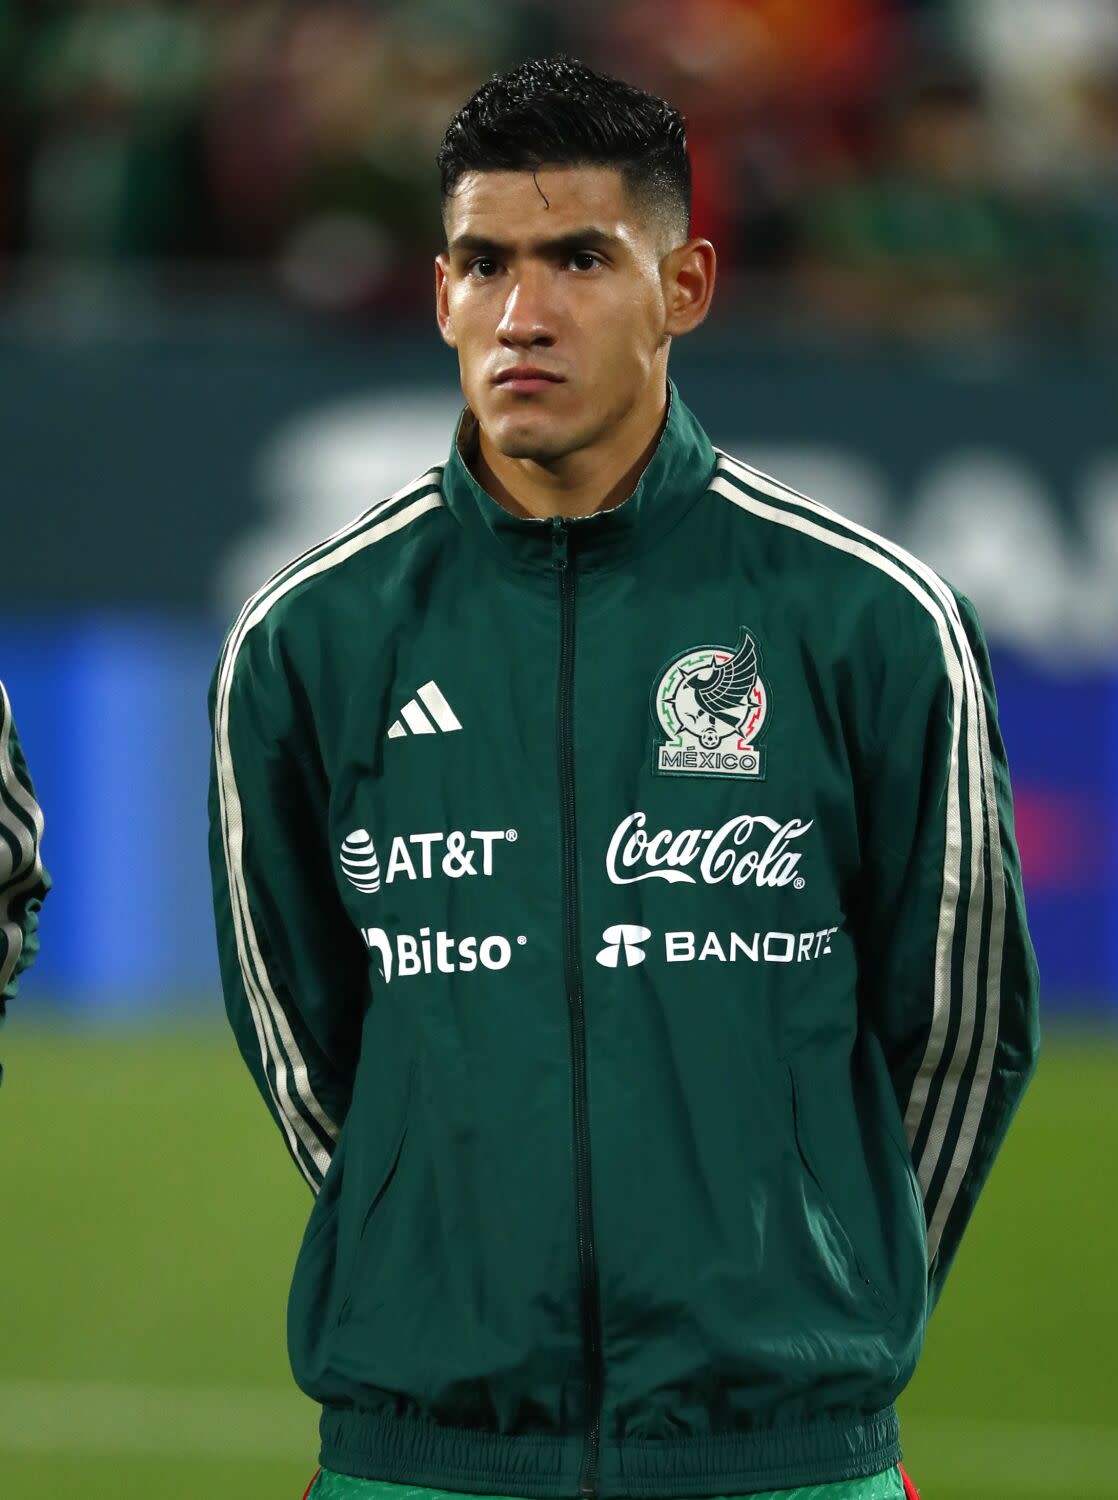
(371, 1445)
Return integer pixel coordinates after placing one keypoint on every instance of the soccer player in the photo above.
(616, 894)
(24, 882)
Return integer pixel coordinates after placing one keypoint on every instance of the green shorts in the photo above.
(330, 1486)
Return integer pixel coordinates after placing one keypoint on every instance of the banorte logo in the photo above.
(623, 948)
(745, 849)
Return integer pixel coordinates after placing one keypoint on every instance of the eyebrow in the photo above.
(563, 244)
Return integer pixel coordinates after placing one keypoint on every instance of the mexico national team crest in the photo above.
(711, 704)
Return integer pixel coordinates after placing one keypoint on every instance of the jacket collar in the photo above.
(679, 471)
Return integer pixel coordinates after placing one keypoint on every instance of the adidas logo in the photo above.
(417, 721)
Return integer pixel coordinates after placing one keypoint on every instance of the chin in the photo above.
(520, 438)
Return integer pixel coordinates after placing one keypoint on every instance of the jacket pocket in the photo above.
(904, 1155)
(375, 1210)
(824, 1199)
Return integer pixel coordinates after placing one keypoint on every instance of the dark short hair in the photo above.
(557, 112)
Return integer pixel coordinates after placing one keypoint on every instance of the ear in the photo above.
(687, 275)
(442, 300)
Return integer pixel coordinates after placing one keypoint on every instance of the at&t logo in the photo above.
(419, 856)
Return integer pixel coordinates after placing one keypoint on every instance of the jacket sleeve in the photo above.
(293, 967)
(948, 971)
(24, 882)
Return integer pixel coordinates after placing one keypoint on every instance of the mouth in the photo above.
(526, 379)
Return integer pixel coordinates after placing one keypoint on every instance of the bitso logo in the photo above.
(401, 955)
(622, 948)
(711, 704)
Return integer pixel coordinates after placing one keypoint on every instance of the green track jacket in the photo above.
(622, 920)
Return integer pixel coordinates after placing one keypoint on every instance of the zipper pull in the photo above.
(559, 536)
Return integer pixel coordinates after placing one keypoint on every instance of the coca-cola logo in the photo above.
(744, 850)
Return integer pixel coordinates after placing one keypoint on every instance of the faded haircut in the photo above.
(557, 112)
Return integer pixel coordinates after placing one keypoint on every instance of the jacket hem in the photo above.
(369, 1445)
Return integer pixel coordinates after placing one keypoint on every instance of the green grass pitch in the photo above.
(151, 1217)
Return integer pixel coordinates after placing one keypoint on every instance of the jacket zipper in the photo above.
(572, 968)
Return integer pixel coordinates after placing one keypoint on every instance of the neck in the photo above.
(593, 478)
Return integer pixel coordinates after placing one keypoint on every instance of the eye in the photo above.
(477, 267)
(587, 257)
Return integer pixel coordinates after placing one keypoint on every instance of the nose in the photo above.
(529, 319)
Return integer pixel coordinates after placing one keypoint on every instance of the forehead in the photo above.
(526, 206)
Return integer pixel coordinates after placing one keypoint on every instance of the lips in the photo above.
(527, 377)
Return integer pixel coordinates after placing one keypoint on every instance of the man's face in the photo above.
(564, 278)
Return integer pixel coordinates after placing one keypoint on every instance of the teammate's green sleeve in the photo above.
(24, 882)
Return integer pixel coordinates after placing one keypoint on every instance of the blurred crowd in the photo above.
(903, 168)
